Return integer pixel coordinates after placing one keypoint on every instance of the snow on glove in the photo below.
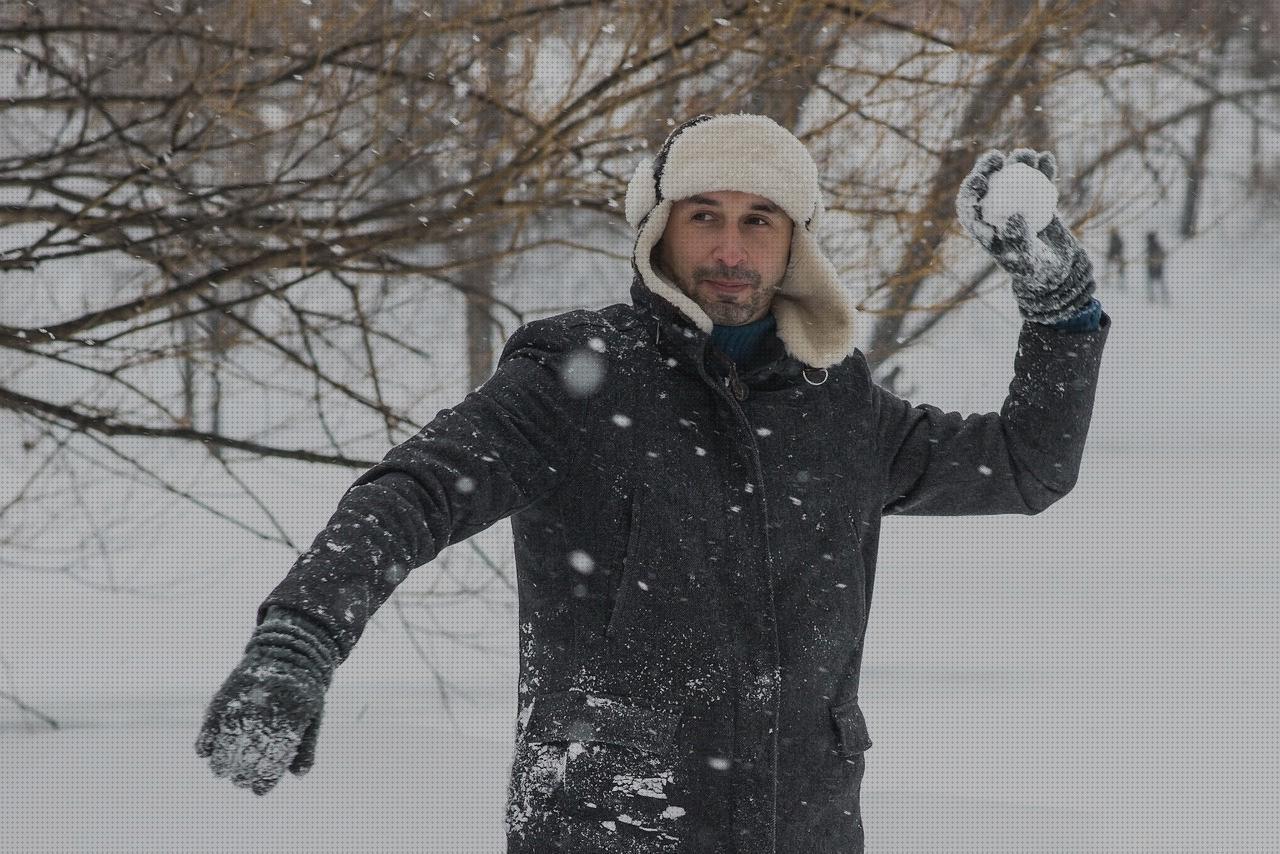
(1052, 274)
(266, 716)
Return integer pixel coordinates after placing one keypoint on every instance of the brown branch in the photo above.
(110, 426)
(30, 710)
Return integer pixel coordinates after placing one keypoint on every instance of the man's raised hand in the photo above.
(1052, 274)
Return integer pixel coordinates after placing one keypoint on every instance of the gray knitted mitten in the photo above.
(1052, 273)
(266, 716)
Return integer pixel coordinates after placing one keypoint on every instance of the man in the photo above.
(696, 482)
(1157, 290)
(1116, 260)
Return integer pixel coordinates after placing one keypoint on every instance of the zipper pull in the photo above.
(736, 385)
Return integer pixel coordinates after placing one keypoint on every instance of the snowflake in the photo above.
(581, 561)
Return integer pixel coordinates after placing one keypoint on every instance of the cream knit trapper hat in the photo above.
(750, 154)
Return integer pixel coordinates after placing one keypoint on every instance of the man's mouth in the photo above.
(727, 287)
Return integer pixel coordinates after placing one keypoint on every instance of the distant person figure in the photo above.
(1157, 290)
(1115, 258)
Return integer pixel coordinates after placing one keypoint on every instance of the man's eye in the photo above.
(758, 220)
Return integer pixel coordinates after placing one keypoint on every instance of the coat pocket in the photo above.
(653, 596)
(852, 737)
(618, 753)
(631, 575)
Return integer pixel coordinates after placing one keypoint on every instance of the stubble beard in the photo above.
(732, 309)
(723, 309)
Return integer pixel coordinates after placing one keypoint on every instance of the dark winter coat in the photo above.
(695, 553)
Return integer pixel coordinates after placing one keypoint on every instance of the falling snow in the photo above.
(582, 372)
(581, 561)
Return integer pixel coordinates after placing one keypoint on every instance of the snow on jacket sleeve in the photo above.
(504, 446)
(1018, 460)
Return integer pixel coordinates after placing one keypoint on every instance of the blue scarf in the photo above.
(740, 342)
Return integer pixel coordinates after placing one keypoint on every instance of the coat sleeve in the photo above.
(1018, 460)
(504, 446)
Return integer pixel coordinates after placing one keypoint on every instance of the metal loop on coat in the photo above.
(805, 373)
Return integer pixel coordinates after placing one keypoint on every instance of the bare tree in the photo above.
(1222, 26)
(212, 212)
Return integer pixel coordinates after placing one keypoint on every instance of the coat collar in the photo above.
(677, 336)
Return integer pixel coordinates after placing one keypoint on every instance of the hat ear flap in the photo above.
(642, 195)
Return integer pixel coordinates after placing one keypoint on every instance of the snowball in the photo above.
(1019, 188)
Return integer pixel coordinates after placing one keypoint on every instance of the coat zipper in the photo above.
(734, 391)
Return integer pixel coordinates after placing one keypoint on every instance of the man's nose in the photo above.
(732, 249)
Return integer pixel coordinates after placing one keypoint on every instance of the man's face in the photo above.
(727, 251)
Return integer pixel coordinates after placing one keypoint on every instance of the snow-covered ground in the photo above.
(1102, 677)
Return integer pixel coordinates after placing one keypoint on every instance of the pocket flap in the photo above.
(851, 728)
(590, 717)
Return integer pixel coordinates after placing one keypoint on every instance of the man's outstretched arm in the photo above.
(507, 444)
(504, 446)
